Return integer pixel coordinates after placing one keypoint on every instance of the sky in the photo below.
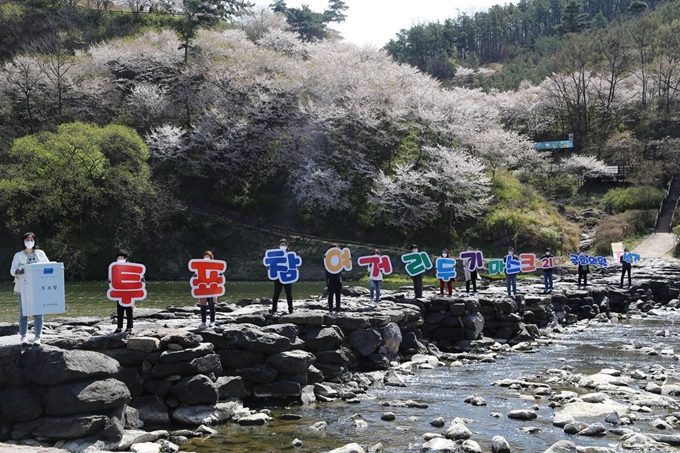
(377, 21)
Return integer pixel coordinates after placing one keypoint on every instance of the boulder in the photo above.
(522, 414)
(257, 340)
(20, 404)
(352, 321)
(289, 331)
(349, 448)
(439, 445)
(458, 431)
(364, 341)
(258, 419)
(500, 445)
(392, 337)
(85, 396)
(49, 365)
(152, 410)
(237, 358)
(57, 428)
(278, 390)
(146, 447)
(230, 387)
(143, 344)
(187, 354)
(193, 390)
(206, 414)
(260, 374)
(201, 365)
(324, 338)
(291, 362)
(562, 446)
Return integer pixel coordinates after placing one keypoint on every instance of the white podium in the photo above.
(42, 289)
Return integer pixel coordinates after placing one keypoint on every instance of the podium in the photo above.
(42, 289)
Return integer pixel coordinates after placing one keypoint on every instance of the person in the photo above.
(417, 279)
(207, 302)
(583, 270)
(547, 272)
(123, 311)
(510, 279)
(29, 255)
(334, 285)
(278, 286)
(470, 276)
(375, 282)
(449, 284)
(626, 266)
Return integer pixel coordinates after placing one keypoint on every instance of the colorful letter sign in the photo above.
(472, 259)
(618, 250)
(416, 263)
(283, 265)
(631, 257)
(126, 283)
(377, 263)
(512, 266)
(446, 268)
(336, 260)
(496, 266)
(208, 280)
(583, 260)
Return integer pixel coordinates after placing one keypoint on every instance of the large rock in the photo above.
(20, 404)
(281, 389)
(152, 410)
(292, 362)
(257, 340)
(500, 445)
(458, 431)
(364, 341)
(260, 374)
(237, 358)
(48, 365)
(230, 387)
(193, 390)
(289, 331)
(349, 448)
(391, 335)
(202, 365)
(73, 427)
(206, 414)
(562, 446)
(579, 409)
(144, 344)
(352, 321)
(474, 326)
(324, 338)
(439, 445)
(187, 354)
(85, 396)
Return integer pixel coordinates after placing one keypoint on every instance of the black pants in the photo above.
(204, 310)
(334, 289)
(127, 311)
(585, 278)
(418, 285)
(623, 273)
(277, 292)
(474, 285)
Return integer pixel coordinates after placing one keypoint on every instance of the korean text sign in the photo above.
(282, 265)
(208, 279)
(126, 283)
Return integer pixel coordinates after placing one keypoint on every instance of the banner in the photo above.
(617, 251)
(208, 279)
(42, 289)
(336, 260)
(416, 263)
(377, 264)
(283, 265)
(126, 283)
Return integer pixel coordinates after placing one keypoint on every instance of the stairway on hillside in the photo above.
(663, 223)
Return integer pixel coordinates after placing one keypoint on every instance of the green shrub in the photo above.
(561, 187)
(621, 200)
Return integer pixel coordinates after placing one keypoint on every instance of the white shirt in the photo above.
(21, 259)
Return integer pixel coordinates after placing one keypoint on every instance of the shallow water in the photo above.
(89, 299)
(444, 390)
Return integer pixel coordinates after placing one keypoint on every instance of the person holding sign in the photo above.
(512, 268)
(446, 272)
(583, 270)
(377, 265)
(335, 261)
(283, 270)
(207, 284)
(416, 265)
(29, 255)
(626, 266)
(126, 286)
(472, 260)
(547, 263)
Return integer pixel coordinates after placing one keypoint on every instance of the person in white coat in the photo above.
(29, 255)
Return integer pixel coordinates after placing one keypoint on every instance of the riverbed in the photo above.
(444, 390)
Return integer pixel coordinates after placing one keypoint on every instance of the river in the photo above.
(443, 389)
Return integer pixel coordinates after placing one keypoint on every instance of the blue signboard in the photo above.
(554, 145)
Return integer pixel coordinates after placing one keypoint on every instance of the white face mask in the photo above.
(206, 257)
(120, 260)
(29, 244)
(414, 250)
(283, 247)
(445, 254)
